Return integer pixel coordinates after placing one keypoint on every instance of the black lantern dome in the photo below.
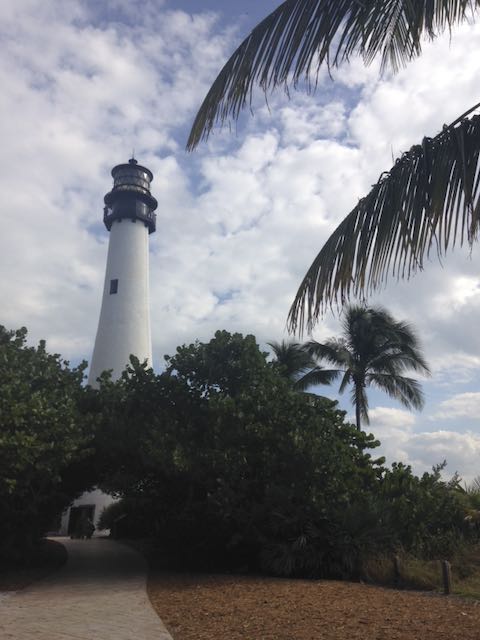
(130, 197)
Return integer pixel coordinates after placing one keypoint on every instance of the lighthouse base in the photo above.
(88, 506)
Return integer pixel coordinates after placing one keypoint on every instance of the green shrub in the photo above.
(227, 467)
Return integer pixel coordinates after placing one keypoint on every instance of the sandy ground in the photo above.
(201, 607)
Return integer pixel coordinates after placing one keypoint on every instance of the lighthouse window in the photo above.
(114, 286)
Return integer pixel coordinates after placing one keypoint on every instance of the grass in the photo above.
(46, 558)
(466, 576)
(416, 573)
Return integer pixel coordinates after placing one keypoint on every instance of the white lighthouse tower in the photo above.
(124, 325)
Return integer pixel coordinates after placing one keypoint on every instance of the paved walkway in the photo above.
(98, 595)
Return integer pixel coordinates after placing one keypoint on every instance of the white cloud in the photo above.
(402, 439)
(394, 428)
(463, 404)
(79, 97)
(241, 219)
(460, 292)
(460, 450)
(455, 368)
(302, 121)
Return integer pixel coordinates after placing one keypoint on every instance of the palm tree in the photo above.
(374, 350)
(428, 201)
(298, 366)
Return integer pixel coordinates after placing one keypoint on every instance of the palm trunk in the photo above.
(357, 414)
(358, 395)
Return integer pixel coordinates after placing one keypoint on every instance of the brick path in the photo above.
(98, 595)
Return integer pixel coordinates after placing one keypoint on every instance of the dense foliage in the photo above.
(44, 439)
(230, 464)
(227, 466)
(219, 460)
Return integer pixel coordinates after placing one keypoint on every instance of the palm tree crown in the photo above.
(298, 366)
(374, 350)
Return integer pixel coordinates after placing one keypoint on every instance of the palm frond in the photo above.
(318, 375)
(346, 380)
(333, 351)
(406, 390)
(293, 42)
(292, 357)
(399, 358)
(429, 201)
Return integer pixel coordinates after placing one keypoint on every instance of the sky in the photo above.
(240, 219)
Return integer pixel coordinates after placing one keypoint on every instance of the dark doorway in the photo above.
(78, 515)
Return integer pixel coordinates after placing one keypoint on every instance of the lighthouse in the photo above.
(124, 325)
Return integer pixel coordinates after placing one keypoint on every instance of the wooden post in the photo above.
(447, 577)
(396, 570)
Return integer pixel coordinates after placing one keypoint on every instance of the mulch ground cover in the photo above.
(19, 573)
(206, 606)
